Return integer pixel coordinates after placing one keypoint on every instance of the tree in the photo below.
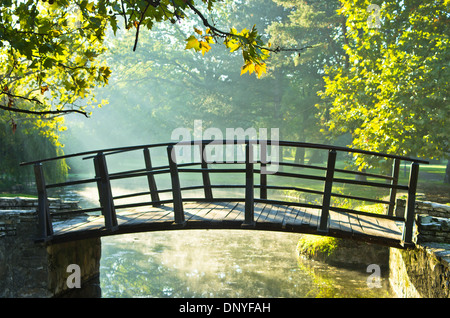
(161, 86)
(25, 145)
(53, 46)
(313, 24)
(48, 62)
(394, 95)
(52, 50)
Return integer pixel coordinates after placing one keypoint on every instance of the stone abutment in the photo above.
(29, 269)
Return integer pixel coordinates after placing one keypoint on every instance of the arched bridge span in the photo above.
(255, 173)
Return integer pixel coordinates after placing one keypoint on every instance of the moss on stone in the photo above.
(310, 245)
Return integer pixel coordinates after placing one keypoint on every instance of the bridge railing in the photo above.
(255, 160)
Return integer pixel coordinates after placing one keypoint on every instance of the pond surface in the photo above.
(222, 263)
(218, 263)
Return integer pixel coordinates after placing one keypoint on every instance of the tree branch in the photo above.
(206, 22)
(21, 97)
(124, 14)
(224, 34)
(153, 3)
(47, 112)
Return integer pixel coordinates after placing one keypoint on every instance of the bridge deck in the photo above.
(230, 215)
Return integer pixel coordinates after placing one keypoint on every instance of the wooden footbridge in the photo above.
(257, 205)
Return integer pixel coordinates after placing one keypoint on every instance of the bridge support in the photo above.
(44, 218)
(410, 207)
(30, 269)
(151, 178)
(263, 174)
(323, 224)
(104, 192)
(394, 182)
(205, 174)
(249, 220)
(176, 188)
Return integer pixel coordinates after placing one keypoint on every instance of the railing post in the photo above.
(263, 173)
(43, 212)
(176, 188)
(323, 224)
(395, 172)
(104, 192)
(205, 174)
(151, 178)
(249, 186)
(410, 207)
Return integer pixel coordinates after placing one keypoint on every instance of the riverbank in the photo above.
(342, 252)
(423, 271)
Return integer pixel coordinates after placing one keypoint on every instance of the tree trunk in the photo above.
(361, 178)
(300, 155)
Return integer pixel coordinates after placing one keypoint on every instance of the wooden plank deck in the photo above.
(230, 215)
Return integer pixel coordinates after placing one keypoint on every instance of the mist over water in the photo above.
(219, 263)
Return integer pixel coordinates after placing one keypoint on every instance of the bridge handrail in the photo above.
(108, 207)
(111, 151)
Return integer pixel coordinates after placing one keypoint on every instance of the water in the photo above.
(221, 263)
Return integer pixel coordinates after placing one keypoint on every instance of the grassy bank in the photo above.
(430, 188)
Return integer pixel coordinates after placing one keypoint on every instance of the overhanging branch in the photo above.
(46, 112)
(224, 34)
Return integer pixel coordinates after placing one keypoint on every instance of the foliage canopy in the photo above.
(393, 96)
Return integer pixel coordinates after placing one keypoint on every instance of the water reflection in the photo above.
(218, 263)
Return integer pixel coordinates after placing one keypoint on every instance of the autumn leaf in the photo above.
(260, 69)
(192, 43)
(44, 89)
(90, 6)
(250, 67)
(205, 47)
(233, 45)
(245, 68)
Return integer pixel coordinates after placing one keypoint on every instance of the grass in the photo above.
(15, 195)
(311, 245)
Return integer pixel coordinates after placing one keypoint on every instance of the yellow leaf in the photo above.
(90, 6)
(244, 68)
(198, 31)
(260, 69)
(233, 45)
(244, 32)
(207, 30)
(251, 68)
(205, 47)
(192, 43)
(55, 33)
(209, 39)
